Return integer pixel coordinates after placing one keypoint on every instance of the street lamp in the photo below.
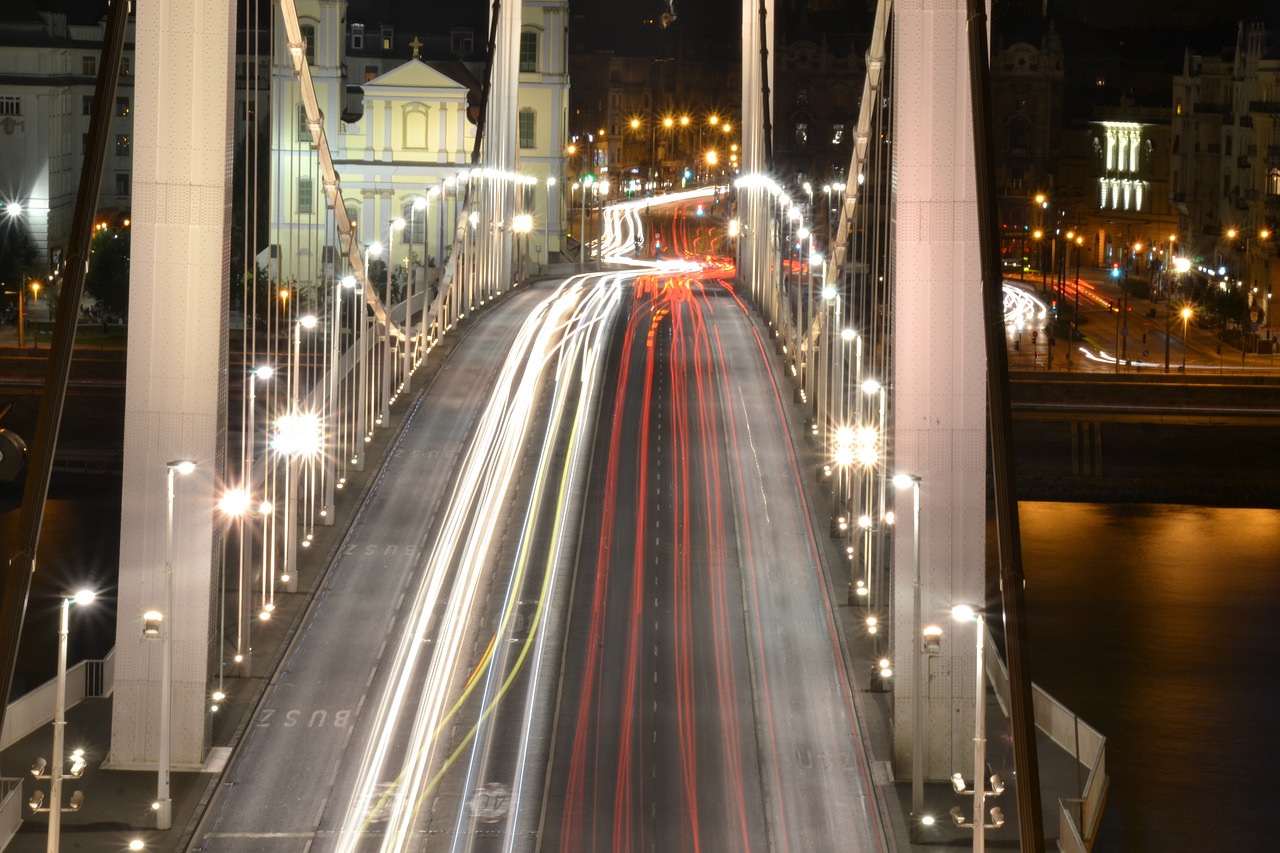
(163, 806)
(384, 407)
(248, 441)
(81, 597)
(546, 219)
(968, 613)
(35, 304)
(1186, 315)
(912, 481)
(296, 435)
(362, 381)
(418, 204)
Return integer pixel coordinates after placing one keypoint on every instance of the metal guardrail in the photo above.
(1078, 817)
(10, 809)
(90, 679)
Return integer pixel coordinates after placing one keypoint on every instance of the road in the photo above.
(703, 704)
(583, 607)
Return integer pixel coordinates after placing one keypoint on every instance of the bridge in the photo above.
(594, 528)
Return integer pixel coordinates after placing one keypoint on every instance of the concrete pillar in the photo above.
(175, 398)
(939, 379)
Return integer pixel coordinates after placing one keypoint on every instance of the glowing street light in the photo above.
(55, 808)
(912, 481)
(163, 806)
(969, 613)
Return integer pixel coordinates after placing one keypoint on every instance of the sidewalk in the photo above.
(117, 803)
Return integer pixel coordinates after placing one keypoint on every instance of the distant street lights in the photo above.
(162, 623)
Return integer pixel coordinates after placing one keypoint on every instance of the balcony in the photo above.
(1269, 107)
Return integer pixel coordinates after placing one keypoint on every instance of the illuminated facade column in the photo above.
(175, 392)
(939, 380)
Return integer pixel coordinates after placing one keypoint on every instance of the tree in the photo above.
(18, 255)
(108, 278)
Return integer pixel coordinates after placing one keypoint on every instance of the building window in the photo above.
(353, 216)
(89, 66)
(802, 97)
(11, 105)
(84, 144)
(1228, 151)
(122, 106)
(125, 70)
(304, 194)
(837, 134)
(370, 71)
(309, 36)
(460, 42)
(388, 36)
(304, 132)
(528, 128)
(122, 145)
(122, 183)
(528, 51)
(1273, 182)
(415, 223)
(86, 105)
(802, 134)
(357, 36)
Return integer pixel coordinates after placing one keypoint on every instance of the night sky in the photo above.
(630, 26)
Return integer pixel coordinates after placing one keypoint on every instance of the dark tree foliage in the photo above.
(18, 255)
(108, 278)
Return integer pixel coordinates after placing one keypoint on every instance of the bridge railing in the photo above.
(1078, 817)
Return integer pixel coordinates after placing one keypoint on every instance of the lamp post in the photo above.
(546, 219)
(82, 598)
(912, 481)
(35, 322)
(582, 221)
(164, 805)
(384, 405)
(290, 434)
(968, 613)
(362, 357)
(418, 204)
(1079, 248)
(1186, 315)
(247, 443)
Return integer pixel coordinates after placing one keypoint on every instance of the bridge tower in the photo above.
(939, 383)
(176, 390)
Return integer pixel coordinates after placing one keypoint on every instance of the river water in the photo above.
(1158, 624)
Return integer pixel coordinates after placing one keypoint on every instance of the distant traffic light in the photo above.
(1115, 270)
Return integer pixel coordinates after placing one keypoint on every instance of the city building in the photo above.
(48, 72)
(1225, 173)
(1027, 76)
(401, 126)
